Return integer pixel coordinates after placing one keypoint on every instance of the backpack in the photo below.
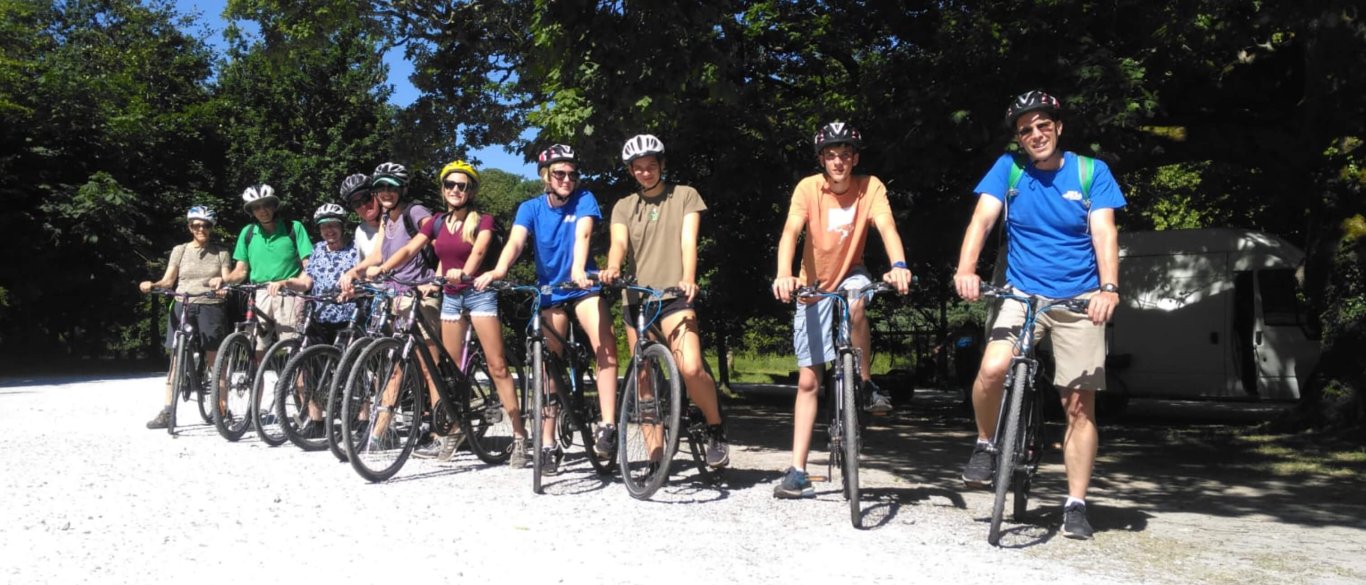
(428, 252)
(1086, 172)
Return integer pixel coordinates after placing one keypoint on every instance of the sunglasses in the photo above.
(1044, 127)
(461, 187)
(200, 226)
(563, 175)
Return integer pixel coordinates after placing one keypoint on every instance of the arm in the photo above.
(1105, 239)
(617, 254)
(402, 255)
(167, 280)
(965, 279)
(481, 247)
(891, 239)
(513, 249)
(785, 283)
(239, 273)
(583, 232)
(691, 223)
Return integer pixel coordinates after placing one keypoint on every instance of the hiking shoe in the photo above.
(605, 444)
(795, 484)
(517, 459)
(1074, 523)
(161, 420)
(450, 443)
(429, 449)
(718, 451)
(977, 473)
(878, 402)
(313, 429)
(550, 461)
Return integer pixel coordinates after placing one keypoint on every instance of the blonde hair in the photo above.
(471, 225)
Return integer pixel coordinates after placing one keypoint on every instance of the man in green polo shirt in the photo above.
(270, 251)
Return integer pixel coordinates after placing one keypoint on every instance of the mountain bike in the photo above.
(558, 387)
(1018, 442)
(387, 397)
(376, 325)
(234, 370)
(302, 392)
(266, 411)
(846, 400)
(187, 359)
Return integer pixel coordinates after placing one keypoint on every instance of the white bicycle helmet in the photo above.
(329, 212)
(202, 213)
(262, 193)
(391, 173)
(642, 145)
(354, 185)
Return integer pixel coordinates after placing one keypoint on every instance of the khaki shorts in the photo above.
(285, 315)
(430, 309)
(1078, 345)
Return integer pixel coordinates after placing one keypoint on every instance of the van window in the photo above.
(1281, 303)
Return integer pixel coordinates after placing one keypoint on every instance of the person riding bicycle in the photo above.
(836, 209)
(400, 221)
(657, 225)
(561, 223)
(1061, 243)
(331, 257)
(269, 251)
(194, 267)
(356, 196)
(461, 238)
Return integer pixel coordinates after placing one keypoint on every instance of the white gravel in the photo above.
(90, 496)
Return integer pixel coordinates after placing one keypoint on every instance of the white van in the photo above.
(1210, 313)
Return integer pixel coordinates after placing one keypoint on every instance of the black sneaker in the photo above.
(161, 420)
(795, 484)
(1074, 523)
(605, 444)
(878, 402)
(313, 429)
(550, 461)
(977, 473)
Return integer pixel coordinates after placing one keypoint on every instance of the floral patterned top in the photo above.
(326, 268)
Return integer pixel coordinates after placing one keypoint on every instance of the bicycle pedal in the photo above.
(815, 478)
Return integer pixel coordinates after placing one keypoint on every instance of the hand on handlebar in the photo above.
(482, 282)
(689, 290)
(968, 285)
(145, 286)
(273, 289)
(609, 275)
(783, 287)
(899, 278)
(1101, 307)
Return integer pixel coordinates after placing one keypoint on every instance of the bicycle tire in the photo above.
(849, 411)
(650, 405)
(1007, 450)
(179, 381)
(269, 426)
(578, 412)
(333, 412)
(312, 370)
(233, 373)
(485, 422)
(201, 386)
(539, 380)
(392, 424)
(1032, 449)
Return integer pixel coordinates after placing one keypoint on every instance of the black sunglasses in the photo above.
(461, 187)
(562, 175)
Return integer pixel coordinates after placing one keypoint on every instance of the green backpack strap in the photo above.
(1086, 172)
(1017, 170)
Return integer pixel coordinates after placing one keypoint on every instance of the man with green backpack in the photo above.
(1058, 223)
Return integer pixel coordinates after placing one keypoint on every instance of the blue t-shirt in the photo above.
(325, 267)
(1049, 242)
(552, 231)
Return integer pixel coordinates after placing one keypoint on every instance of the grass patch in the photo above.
(1306, 456)
(777, 368)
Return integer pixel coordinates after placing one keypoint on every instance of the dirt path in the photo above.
(97, 498)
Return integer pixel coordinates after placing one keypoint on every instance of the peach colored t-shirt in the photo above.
(836, 226)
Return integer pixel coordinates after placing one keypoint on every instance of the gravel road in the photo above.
(97, 498)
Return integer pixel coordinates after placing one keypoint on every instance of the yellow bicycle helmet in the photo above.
(459, 166)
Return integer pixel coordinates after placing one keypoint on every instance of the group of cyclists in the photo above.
(1059, 225)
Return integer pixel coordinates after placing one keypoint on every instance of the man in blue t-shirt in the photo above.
(1061, 243)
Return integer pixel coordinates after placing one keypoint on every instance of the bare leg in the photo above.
(804, 413)
(1082, 439)
(490, 331)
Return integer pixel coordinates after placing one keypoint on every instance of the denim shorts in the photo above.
(822, 312)
(476, 303)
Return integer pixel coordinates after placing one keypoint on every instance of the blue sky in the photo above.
(208, 14)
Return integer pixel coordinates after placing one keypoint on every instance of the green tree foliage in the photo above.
(104, 136)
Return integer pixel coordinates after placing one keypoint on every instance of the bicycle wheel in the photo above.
(648, 421)
(484, 420)
(263, 408)
(388, 393)
(583, 411)
(180, 382)
(201, 384)
(302, 392)
(333, 413)
(540, 381)
(1031, 449)
(852, 441)
(1008, 444)
(232, 377)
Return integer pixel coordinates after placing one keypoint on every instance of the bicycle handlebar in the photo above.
(1076, 305)
(170, 292)
(812, 291)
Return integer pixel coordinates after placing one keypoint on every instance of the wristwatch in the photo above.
(1109, 287)
(900, 264)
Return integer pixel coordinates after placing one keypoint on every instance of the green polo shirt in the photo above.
(273, 257)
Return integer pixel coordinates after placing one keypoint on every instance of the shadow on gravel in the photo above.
(1162, 457)
(578, 484)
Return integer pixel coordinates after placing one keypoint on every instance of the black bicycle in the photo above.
(846, 400)
(187, 360)
(267, 408)
(1018, 442)
(376, 326)
(234, 371)
(301, 393)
